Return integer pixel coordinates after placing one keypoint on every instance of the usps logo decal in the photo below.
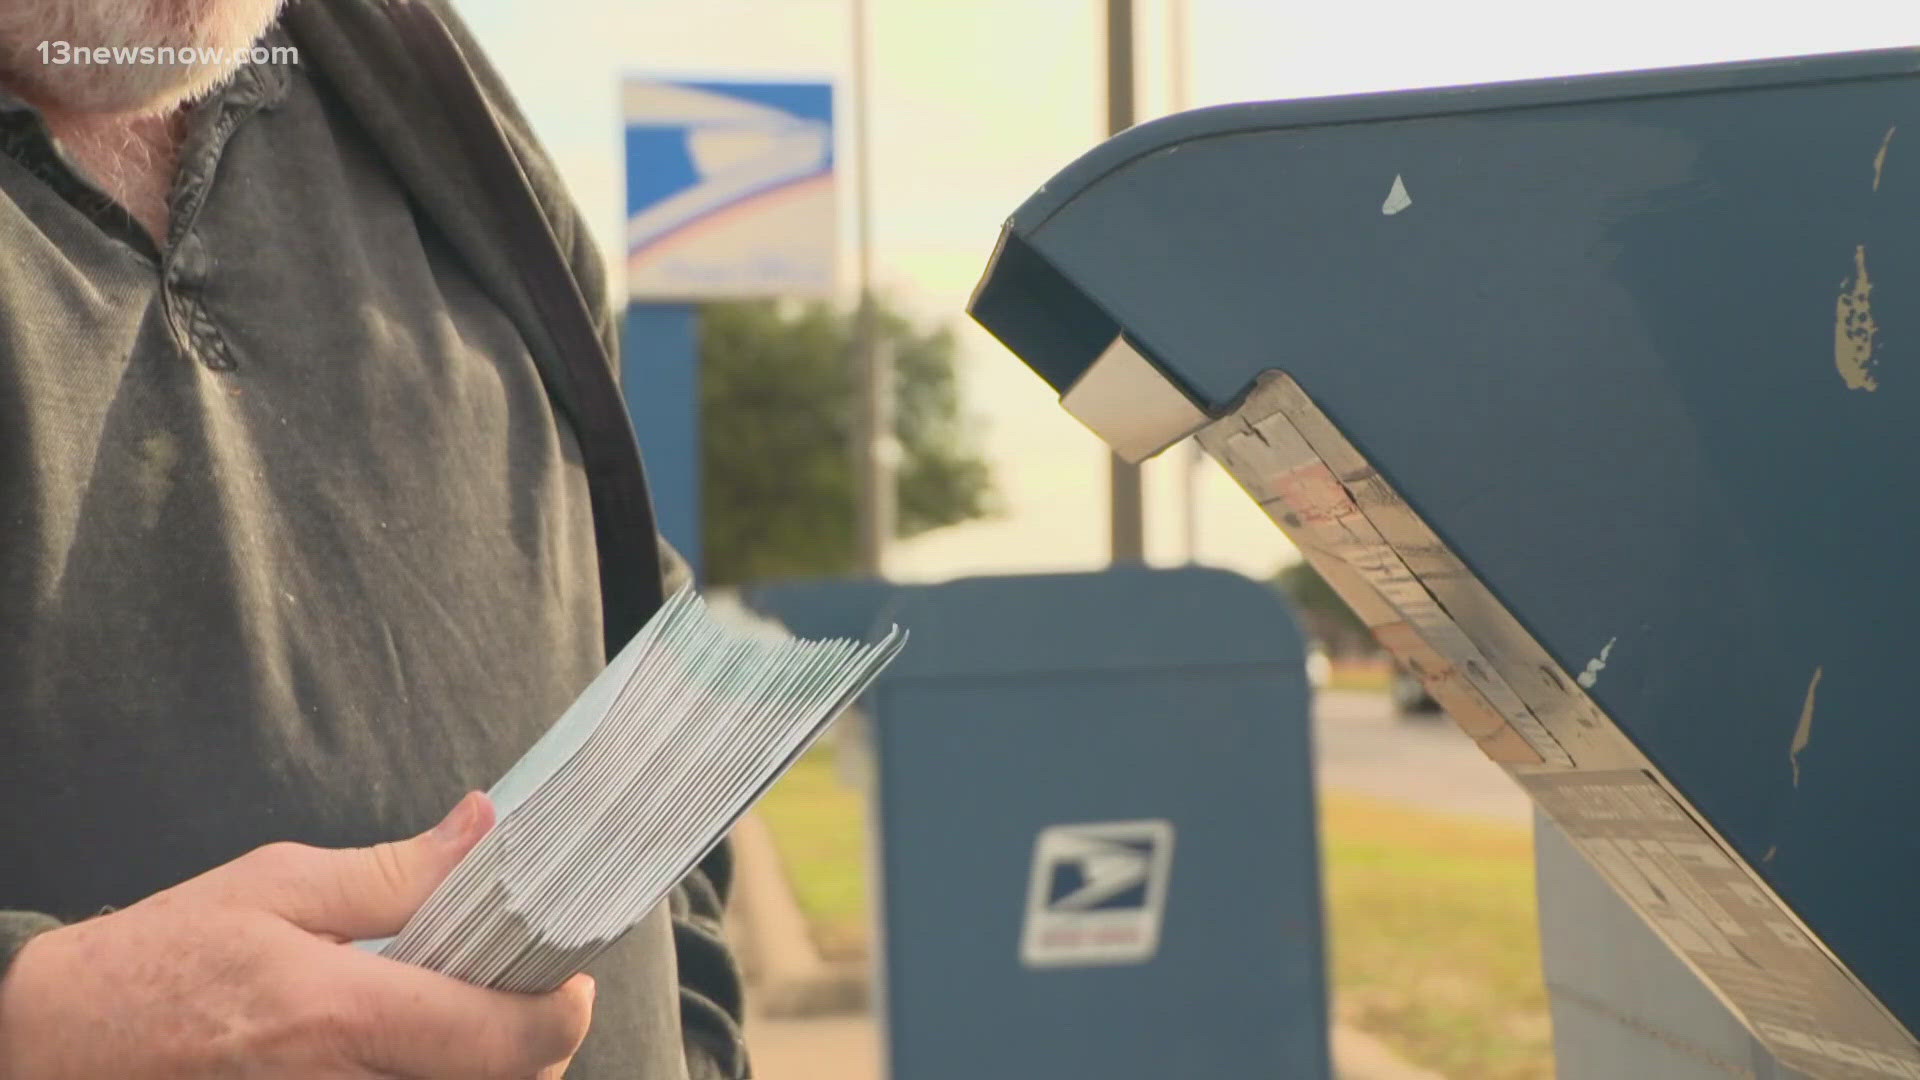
(1097, 893)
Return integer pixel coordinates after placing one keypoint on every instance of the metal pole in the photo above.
(1177, 49)
(873, 415)
(1127, 501)
(1177, 98)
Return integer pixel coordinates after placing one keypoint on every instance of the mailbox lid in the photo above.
(1114, 620)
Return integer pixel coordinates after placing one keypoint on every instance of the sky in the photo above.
(976, 103)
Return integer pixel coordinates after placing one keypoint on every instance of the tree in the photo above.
(1323, 615)
(777, 400)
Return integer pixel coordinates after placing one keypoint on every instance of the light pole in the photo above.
(1194, 458)
(871, 363)
(1126, 498)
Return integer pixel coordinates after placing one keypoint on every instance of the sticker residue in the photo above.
(1803, 733)
(1397, 197)
(1880, 159)
(1853, 327)
(1594, 666)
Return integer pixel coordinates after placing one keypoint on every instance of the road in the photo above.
(1361, 746)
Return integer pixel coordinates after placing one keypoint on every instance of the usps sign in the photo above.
(1097, 894)
(730, 189)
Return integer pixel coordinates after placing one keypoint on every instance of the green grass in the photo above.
(1371, 675)
(820, 827)
(1434, 944)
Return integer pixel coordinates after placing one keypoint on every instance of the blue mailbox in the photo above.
(1097, 845)
(1597, 398)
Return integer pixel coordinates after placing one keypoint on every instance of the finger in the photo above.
(366, 892)
(422, 1023)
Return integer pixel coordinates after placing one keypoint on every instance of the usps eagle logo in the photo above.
(1097, 893)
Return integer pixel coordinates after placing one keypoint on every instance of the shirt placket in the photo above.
(185, 264)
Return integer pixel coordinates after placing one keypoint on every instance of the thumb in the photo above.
(370, 892)
(582, 983)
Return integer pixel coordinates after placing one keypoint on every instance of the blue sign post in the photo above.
(660, 375)
(730, 194)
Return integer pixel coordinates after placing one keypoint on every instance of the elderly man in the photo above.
(296, 547)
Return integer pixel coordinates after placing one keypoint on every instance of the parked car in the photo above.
(1410, 697)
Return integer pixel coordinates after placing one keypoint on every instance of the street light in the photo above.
(1126, 501)
(874, 467)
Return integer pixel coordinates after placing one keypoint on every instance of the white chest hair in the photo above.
(131, 159)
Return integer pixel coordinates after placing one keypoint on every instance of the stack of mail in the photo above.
(635, 783)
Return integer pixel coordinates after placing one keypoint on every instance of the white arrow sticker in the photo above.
(1397, 199)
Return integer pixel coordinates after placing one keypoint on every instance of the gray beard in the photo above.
(130, 89)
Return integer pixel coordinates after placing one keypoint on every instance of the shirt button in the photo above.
(187, 263)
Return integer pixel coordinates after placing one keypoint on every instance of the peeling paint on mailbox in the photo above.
(1854, 328)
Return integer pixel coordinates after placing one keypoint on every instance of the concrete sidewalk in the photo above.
(848, 1048)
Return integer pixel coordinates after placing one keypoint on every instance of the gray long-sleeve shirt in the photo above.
(293, 542)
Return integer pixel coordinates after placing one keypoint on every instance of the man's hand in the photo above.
(240, 972)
